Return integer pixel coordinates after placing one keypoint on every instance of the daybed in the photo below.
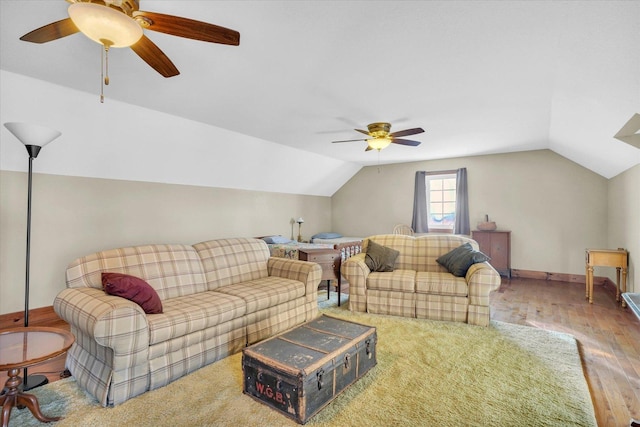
(217, 297)
(417, 285)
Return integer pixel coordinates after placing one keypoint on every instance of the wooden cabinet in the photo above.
(497, 245)
(329, 260)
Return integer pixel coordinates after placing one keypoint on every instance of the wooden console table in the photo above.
(617, 258)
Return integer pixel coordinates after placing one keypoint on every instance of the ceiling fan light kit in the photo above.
(105, 25)
(378, 143)
(380, 136)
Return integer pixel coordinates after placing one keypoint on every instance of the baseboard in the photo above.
(559, 277)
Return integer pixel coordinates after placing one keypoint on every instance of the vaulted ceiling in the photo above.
(480, 77)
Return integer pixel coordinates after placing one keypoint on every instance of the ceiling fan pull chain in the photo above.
(104, 67)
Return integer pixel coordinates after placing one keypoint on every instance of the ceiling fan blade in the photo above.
(349, 140)
(188, 28)
(152, 55)
(406, 142)
(406, 132)
(53, 31)
(363, 131)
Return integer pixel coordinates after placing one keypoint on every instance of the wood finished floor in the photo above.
(608, 336)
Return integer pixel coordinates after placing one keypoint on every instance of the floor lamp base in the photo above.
(33, 381)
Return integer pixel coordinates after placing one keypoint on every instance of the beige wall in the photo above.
(77, 216)
(553, 207)
(624, 221)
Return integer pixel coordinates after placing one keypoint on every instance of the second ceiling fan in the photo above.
(120, 23)
(380, 136)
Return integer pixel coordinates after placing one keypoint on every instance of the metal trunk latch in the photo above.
(367, 344)
(319, 376)
(347, 362)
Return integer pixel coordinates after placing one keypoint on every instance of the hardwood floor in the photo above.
(608, 336)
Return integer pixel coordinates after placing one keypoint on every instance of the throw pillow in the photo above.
(458, 261)
(380, 258)
(326, 235)
(134, 289)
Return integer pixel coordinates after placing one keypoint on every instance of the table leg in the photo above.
(618, 284)
(590, 284)
(624, 285)
(14, 397)
(586, 282)
(339, 285)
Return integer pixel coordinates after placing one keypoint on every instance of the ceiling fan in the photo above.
(120, 23)
(380, 136)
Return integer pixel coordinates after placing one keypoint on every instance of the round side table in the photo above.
(21, 348)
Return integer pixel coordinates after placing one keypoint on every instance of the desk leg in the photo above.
(617, 284)
(624, 285)
(590, 284)
(586, 281)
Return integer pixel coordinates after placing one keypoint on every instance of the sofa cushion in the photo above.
(397, 280)
(187, 314)
(266, 292)
(172, 270)
(134, 289)
(380, 258)
(440, 284)
(458, 261)
(229, 261)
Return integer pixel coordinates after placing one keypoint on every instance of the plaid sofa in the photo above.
(218, 297)
(419, 286)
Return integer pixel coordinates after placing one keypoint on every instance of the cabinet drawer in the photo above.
(321, 258)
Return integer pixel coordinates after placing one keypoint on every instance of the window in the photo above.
(441, 201)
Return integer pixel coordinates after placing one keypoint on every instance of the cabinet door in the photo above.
(484, 241)
(500, 251)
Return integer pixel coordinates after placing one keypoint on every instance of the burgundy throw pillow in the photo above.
(134, 289)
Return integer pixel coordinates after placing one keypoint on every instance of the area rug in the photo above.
(428, 374)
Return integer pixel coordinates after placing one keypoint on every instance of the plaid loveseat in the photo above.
(419, 286)
(217, 296)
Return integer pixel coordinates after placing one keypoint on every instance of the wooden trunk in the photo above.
(302, 370)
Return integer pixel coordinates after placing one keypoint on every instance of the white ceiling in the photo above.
(480, 77)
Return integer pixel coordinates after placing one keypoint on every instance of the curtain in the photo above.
(419, 221)
(462, 203)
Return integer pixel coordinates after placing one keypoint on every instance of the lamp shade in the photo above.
(379, 143)
(105, 25)
(30, 134)
(300, 220)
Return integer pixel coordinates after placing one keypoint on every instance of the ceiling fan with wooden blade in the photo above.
(120, 23)
(380, 136)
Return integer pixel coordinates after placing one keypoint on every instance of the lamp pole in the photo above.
(34, 137)
(33, 151)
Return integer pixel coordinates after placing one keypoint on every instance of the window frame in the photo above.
(448, 174)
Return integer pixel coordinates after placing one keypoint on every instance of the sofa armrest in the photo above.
(355, 270)
(110, 321)
(482, 279)
(308, 273)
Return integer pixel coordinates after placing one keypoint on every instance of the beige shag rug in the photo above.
(428, 374)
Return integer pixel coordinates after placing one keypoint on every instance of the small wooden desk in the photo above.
(617, 258)
(329, 260)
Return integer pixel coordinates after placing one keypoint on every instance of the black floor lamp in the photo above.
(34, 137)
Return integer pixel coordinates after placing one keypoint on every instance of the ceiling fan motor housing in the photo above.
(379, 129)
